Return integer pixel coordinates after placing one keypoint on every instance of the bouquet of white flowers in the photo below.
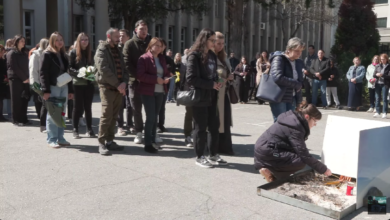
(87, 73)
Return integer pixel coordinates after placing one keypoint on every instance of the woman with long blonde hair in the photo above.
(54, 64)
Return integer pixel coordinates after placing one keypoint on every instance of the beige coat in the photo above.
(259, 71)
(223, 72)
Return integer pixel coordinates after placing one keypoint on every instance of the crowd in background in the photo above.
(138, 72)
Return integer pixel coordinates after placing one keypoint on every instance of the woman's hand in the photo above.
(328, 172)
(166, 80)
(230, 77)
(379, 74)
(26, 81)
(46, 96)
(70, 96)
(160, 81)
(217, 86)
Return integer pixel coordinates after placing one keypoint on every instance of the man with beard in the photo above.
(132, 50)
(112, 78)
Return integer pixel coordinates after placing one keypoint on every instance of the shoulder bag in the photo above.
(268, 90)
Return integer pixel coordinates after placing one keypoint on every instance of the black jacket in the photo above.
(282, 72)
(74, 66)
(321, 67)
(386, 75)
(50, 70)
(283, 145)
(3, 85)
(17, 65)
(334, 82)
(202, 76)
(233, 63)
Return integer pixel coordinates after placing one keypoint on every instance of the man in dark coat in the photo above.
(233, 62)
(320, 72)
(307, 77)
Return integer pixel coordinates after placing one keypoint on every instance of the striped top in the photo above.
(117, 59)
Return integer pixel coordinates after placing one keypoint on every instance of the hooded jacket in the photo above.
(282, 73)
(283, 145)
(106, 73)
(132, 51)
(33, 65)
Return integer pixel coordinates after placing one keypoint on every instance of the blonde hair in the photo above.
(52, 43)
(221, 54)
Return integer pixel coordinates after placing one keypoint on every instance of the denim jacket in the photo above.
(360, 73)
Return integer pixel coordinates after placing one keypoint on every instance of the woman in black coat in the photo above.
(382, 84)
(18, 75)
(281, 150)
(203, 78)
(3, 85)
(243, 72)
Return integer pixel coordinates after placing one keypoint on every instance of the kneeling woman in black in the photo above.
(281, 149)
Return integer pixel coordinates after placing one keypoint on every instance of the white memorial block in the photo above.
(360, 149)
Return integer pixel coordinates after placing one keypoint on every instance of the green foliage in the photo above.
(356, 35)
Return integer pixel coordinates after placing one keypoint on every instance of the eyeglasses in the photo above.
(84, 40)
(212, 40)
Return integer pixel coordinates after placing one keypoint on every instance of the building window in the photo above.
(216, 8)
(381, 1)
(381, 22)
(158, 30)
(93, 32)
(182, 39)
(384, 48)
(195, 32)
(28, 28)
(170, 37)
(78, 26)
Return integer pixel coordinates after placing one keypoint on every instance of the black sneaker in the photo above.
(157, 146)
(91, 134)
(203, 162)
(339, 107)
(150, 149)
(216, 160)
(161, 129)
(114, 147)
(76, 134)
(103, 150)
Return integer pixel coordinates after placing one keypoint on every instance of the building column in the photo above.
(152, 29)
(165, 31)
(189, 36)
(177, 34)
(102, 20)
(12, 18)
(251, 29)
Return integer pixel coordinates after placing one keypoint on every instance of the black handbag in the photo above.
(188, 98)
(270, 91)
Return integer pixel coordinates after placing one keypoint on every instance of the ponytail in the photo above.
(308, 109)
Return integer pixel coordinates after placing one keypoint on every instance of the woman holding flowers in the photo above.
(80, 68)
(53, 65)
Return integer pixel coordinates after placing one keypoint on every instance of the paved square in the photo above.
(75, 182)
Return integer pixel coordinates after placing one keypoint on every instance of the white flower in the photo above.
(82, 72)
(90, 69)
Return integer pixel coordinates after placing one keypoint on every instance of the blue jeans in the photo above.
(282, 107)
(171, 89)
(381, 90)
(54, 133)
(152, 105)
(316, 85)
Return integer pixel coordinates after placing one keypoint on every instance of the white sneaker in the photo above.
(189, 142)
(384, 115)
(156, 146)
(82, 122)
(138, 138)
(158, 139)
(376, 115)
(121, 132)
(370, 110)
(374, 110)
(54, 145)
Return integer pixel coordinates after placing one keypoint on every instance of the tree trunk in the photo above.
(235, 9)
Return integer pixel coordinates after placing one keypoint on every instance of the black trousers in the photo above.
(19, 105)
(306, 85)
(355, 94)
(161, 114)
(83, 97)
(206, 119)
(129, 112)
(43, 114)
(244, 89)
(136, 105)
(37, 103)
(371, 91)
(70, 108)
(188, 122)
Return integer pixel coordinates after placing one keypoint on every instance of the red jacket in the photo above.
(147, 73)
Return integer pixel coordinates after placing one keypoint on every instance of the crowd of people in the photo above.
(138, 72)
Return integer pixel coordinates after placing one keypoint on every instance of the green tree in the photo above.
(356, 36)
(132, 10)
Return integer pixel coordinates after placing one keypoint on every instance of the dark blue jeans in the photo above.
(381, 90)
(152, 105)
(282, 107)
(316, 85)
